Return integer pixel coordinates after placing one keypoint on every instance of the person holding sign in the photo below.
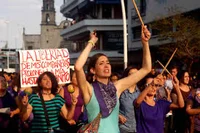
(54, 103)
(106, 91)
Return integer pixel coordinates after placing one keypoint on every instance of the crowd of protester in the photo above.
(140, 100)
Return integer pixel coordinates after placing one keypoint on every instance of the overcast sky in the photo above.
(16, 14)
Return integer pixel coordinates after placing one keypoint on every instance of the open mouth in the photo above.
(106, 71)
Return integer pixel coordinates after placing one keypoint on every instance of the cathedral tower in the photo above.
(50, 32)
(48, 13)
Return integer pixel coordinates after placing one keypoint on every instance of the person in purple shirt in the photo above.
(150, 113)
(73, 125)
(193, 108)
(8, 117)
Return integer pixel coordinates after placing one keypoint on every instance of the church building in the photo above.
(50, 32)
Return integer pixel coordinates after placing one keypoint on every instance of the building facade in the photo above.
(103, 16)
(150, 11)
(50, 32)
(9, 59)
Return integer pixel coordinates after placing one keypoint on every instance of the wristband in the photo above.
(90, 41)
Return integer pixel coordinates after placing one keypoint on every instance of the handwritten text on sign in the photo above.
(35, 62)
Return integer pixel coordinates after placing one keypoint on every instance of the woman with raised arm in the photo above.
(150, 113)
(55, 105)
(182, 121)
(106, 91)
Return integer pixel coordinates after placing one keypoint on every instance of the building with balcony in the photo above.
(150, 11)
(103, 16)
(9, 59)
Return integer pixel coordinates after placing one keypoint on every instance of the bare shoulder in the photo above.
(61, 91)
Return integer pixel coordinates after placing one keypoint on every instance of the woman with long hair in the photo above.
(181, 118)
(102, 95)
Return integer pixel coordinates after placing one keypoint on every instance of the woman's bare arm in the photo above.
(125, 83)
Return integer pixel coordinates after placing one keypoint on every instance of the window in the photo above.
(136, 31)
(47, 18)
(30, 47)
(143, 7)
(64, 1)
(155, 32)
(47, 6)
(107, 11)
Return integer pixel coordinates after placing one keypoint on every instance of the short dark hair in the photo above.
(9, 74)
(115, 74)
(142, 82)
(174, 67)
(53, 79)
(126, 71)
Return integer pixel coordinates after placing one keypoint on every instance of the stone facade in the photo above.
(50, 36)
(31, 41)
(50, 32)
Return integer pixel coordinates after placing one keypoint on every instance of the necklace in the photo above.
(3, 94)
(46, 93)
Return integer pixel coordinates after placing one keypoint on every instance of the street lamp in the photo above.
(125, 35)
(7, 34)
(7, 31)
(20, 36)
(16, 40)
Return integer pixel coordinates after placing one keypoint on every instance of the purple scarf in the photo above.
(106, 97)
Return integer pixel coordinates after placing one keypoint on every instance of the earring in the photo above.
(93, 78)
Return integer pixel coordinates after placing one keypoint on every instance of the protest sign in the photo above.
(35, 62)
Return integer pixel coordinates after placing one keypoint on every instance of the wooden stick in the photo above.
(138, 12)
(164, 67)
(169, 61)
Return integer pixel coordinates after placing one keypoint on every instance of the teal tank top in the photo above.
(108, 124)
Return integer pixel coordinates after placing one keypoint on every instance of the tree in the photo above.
(183, 32)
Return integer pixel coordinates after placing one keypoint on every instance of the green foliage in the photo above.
(183, 32)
